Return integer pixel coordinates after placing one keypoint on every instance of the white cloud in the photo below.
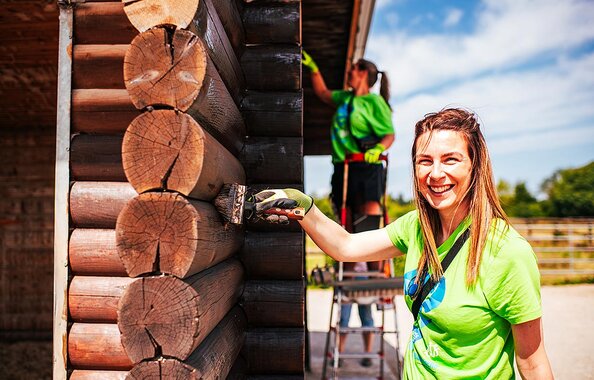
(519, 70)
(507, 33)
(453, 17)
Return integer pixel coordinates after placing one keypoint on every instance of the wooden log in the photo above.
(166, 233)
(165, 316)
(96, 346)
(102, 23)
(168, 150)
(273, 256)
(102, 111)
(98, 66)
(275, 350)
(274, 303)
(273, 113)
(145, 14)
(173, 69)
(213, 359)
(87, 374)
(272, 23)
(273, 160)
(230, 16)
(98, 204)
(272, 67)
(96, 158)
(239, 370)
(93, 252)
(95, 299)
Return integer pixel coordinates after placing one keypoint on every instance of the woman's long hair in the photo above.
(372, 74)
(482, 193)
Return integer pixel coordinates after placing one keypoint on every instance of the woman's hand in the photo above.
(307, 61)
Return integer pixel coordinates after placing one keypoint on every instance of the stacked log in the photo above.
(273, 298)
(156, 133)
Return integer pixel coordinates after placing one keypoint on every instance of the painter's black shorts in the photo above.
(366, 183)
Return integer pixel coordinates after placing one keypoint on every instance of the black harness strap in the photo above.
(445, 263)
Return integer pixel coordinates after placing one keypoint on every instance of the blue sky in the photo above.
(526, 67)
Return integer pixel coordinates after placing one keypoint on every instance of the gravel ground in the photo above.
(568, 323)
(568, 319)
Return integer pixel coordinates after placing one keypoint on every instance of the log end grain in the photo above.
(157, 317)
(165, 67)
(163, 149)
(157, 232)
(162, 369)
(145, 14)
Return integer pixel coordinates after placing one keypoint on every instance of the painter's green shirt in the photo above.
(464, 333)
(370, 114)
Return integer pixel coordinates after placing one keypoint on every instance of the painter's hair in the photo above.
(372, 74)
(482, 193)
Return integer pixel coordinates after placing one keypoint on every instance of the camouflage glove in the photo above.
(307, 61)
(281, 198)
(372, 155)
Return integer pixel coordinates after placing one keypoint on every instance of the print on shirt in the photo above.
(339, 132)
(433, 300)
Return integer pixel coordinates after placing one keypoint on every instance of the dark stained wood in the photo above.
(272, 67)
(96, 346)
(95, 299)
(208, 26)
(98, 66)
(176, 71)
(102, 23)
(229, 14)
(274, 303)
(94, 252)
(169, 150)
(213, 359)
(98, 204)
(166, 233)
(167, 316)
(96, 158)
(273, 113)
(272, 23)
(274, 256)
(275, 350)
(273, 160)
(102, 111)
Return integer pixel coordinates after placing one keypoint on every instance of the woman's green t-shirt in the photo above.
(370, 115)
(462, 332)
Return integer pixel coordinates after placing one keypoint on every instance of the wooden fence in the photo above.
(564, 246)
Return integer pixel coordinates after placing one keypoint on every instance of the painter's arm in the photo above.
(341, 245)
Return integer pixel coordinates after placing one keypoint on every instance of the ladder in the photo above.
(384, 290)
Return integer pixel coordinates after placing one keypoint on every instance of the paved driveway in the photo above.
(568, 327)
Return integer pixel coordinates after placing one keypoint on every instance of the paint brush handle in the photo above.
(296, 213)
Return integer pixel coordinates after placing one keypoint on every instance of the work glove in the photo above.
(281, 198)
(308, 62)
(372, 155)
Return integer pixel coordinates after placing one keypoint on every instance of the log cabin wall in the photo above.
(274, 295)
(162, 116)
(28, 68)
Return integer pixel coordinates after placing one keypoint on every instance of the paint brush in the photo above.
(236, 203)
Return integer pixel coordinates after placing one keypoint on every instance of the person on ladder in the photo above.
(362, 123)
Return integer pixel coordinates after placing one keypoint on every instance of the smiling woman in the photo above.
(482, 307)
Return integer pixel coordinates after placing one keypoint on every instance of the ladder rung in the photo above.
(361, 355)
(348, 330)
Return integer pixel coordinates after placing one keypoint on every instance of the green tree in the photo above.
(520, 202)
(570, 192)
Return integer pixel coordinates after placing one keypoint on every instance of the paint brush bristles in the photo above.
(230, 202)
